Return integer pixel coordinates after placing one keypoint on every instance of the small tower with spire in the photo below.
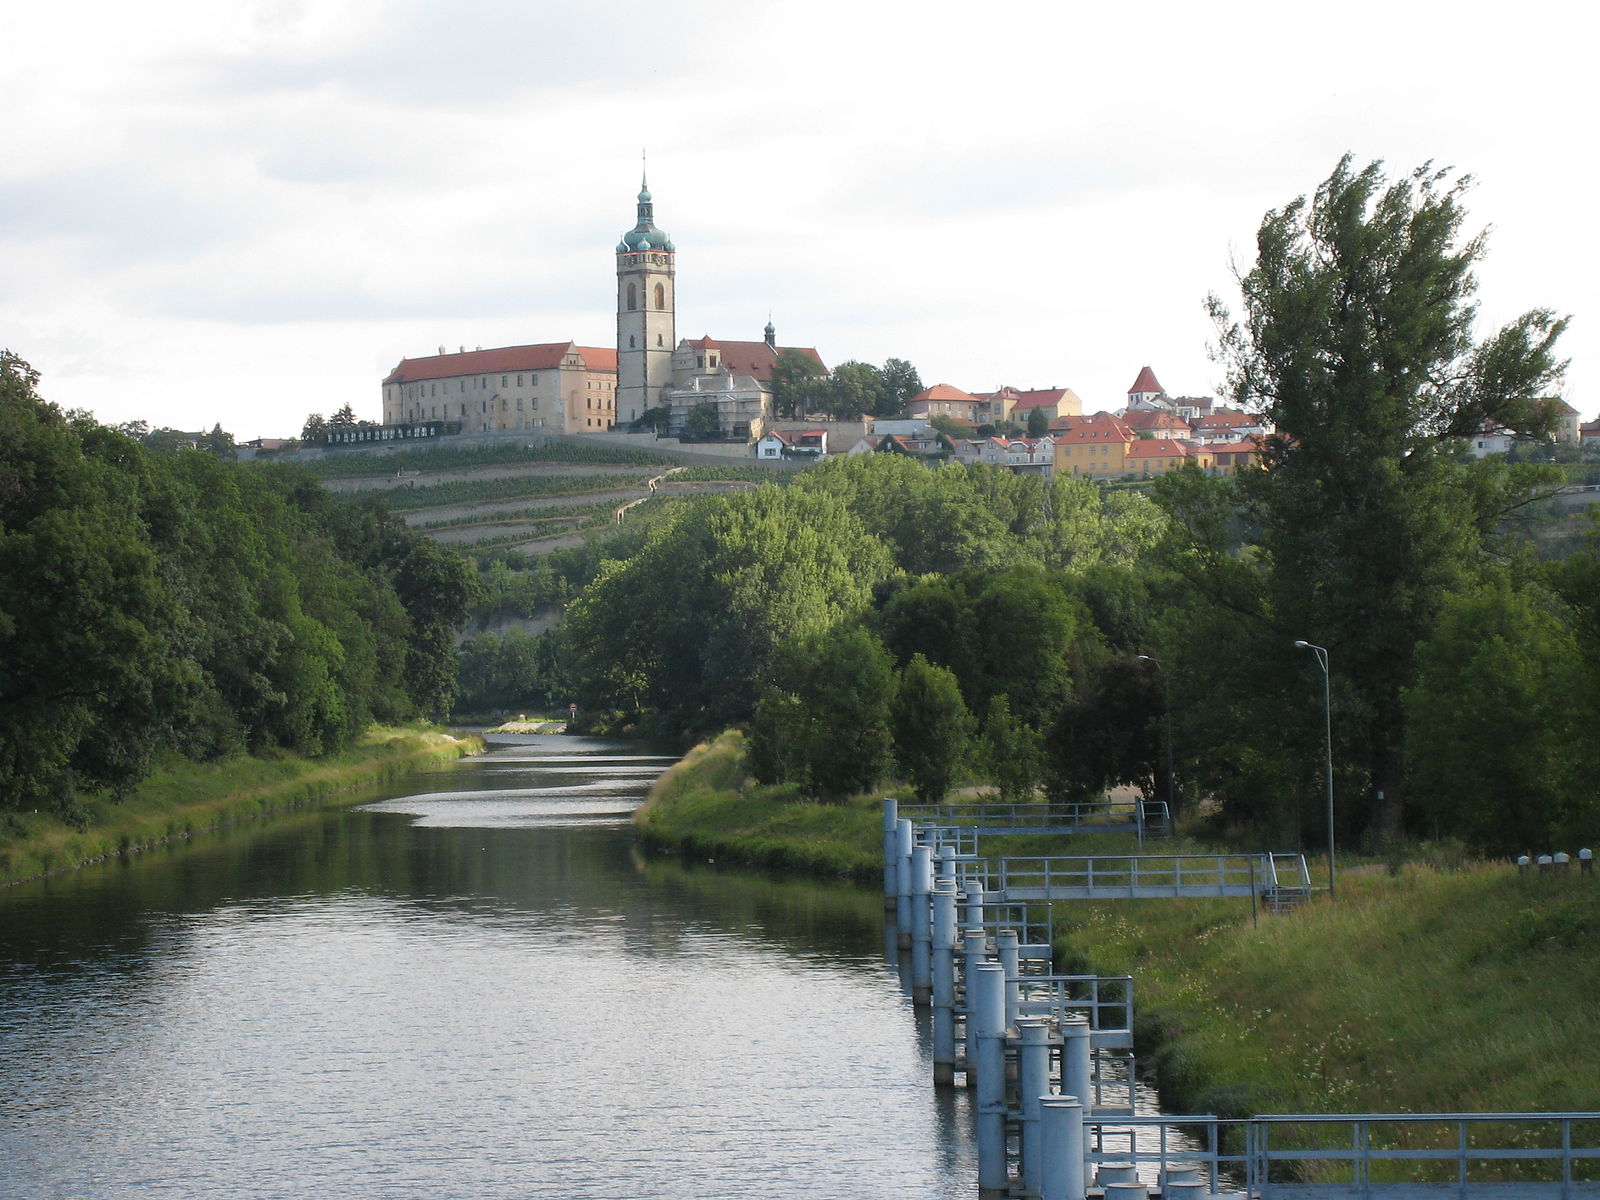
(646, 329)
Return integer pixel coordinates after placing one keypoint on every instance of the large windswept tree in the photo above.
(1358, 340)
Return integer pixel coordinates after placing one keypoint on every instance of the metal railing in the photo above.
(1139, 876)
(1369, 1156)
(1107, 1000)
(1101, 816)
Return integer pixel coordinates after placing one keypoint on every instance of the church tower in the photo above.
(646, 331)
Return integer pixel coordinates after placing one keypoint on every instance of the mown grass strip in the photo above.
(182, 798)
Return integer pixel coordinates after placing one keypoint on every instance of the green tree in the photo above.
(845, 687)
(932, 728)
(900, 382)
(1497, 725)
(1011, 752)
(313, 429)
(345, 418)
(690, 626)
(1357, 345)
(795, 384)
(702, 423)
(856, 388)
(1038, 423)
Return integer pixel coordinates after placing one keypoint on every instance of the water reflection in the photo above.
(480, 987)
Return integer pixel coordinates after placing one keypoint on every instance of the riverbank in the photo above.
(707, 807)
(184, 798)
(1420, 989)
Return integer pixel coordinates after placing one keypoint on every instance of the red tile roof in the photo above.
(756, 359)
(1159, 448)
(1146, 382)
(1227, 418)
(943, 391)
(1150, 419)
(545, 356)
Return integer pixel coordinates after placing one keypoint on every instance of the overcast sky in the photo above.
(243, 212)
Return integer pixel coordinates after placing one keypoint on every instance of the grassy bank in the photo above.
(706, 806)
(183, 798)
(1419, 989)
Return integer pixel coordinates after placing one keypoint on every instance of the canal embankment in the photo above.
(1437, 984)
(182, 798)
(706, 806)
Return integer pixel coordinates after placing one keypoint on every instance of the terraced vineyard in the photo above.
(532, 500)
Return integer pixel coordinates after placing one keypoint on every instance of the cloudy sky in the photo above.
(249, 210)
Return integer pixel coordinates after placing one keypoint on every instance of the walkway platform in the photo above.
(1140, 877)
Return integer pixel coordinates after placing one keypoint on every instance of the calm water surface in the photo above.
(478, 988)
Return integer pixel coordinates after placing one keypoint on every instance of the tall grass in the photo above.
(182, 798)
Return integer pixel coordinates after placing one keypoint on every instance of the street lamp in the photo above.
(1327, 727)
(1166, 687)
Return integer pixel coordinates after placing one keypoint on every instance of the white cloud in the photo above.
(247, 212)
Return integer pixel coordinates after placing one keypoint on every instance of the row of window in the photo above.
(633, 297)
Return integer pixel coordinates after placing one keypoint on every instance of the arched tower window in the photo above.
(661, 296)
(630, 342)
(633, 297)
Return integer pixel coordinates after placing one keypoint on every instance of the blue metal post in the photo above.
(1061, 1147)
(989, 1018)
(1006, 945)
(973, 946)
(891, 868)
(1077, 1077)
(921, 925)
(1033, 1083)
(904, 841)
(944, 982)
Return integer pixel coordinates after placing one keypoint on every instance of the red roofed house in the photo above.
(1158, 423)
(557, 386)
(1146, 391)
(942, 400)
(1589, 433)
(1228, 457)
(1096, 446)
(1157, 456)
(1228, 425)
(775, 442)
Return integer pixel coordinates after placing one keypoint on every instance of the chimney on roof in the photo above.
(463, 349)
(441, 348)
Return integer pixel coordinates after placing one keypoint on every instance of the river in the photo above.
(477, 987)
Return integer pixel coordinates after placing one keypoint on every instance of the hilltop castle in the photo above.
(567, 388)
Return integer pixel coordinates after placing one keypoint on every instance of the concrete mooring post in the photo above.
(987, 1008)
(891, 863)
(1035, 1036)
(944, 982)
(1061, 1134)
(921, 925)
(973, 948)
(1007, 950)
(1077, 1073)
(904, 842)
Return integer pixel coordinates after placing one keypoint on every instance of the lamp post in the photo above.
(1327, 727)
(1166, 688)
